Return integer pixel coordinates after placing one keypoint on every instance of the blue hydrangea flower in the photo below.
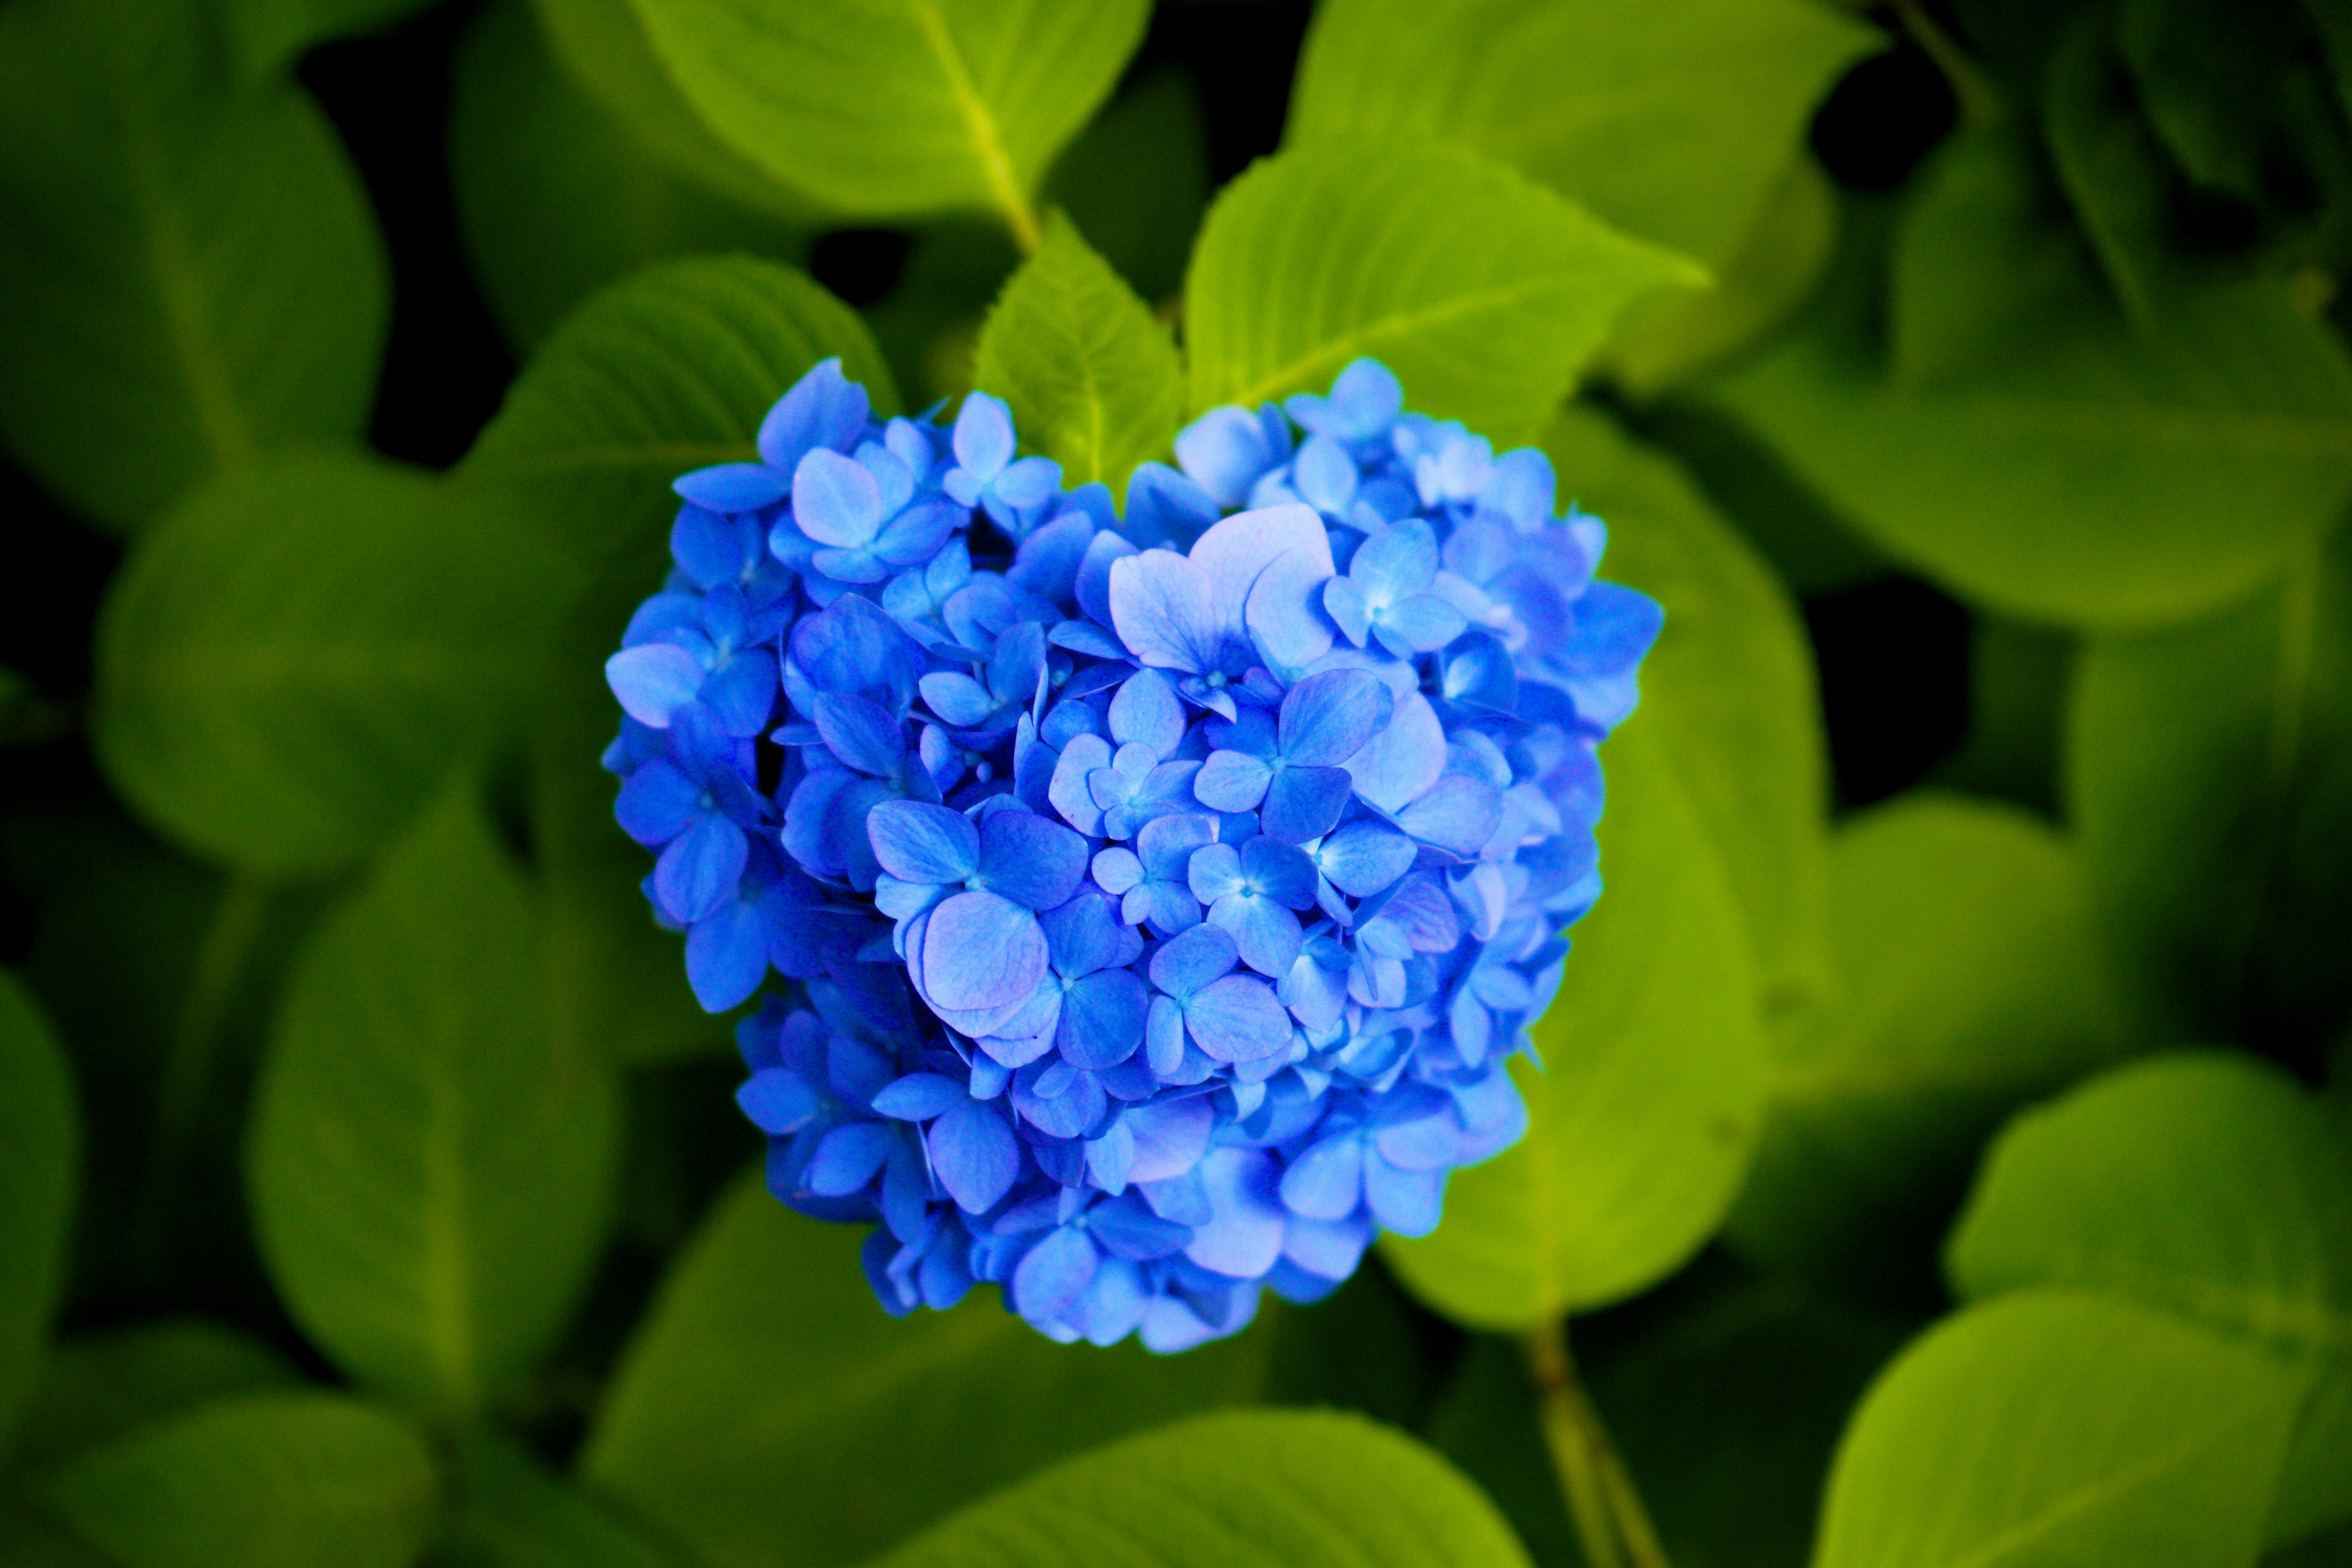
(1160, 890)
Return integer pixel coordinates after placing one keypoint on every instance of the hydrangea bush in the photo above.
(1169, 886)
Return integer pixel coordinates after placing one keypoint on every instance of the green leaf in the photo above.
(1642, 1119)
(1143, 228)
(2035, 452)
(265, 36)
(39, 1142)
(2206, 1183)
(1726, 1414)
(1483, 291)
(1093, 381)
(1730, 685)
(670, 370)
(1250, 1490)
(100, 1388)
(2208, 73)
(888, 109)
(2209, 768)
(290, 666)
(1971, 983)
(431, 1172)
(1358, 1349)
(510, 1513)
(192, 275)
(554, 199)
(2049, 1427)
(765, 1357)
(274, 1480)
(1671, 119)
(2018, 678)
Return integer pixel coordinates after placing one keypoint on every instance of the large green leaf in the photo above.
(1643, 1118)
(2035, 451)
(39, 1153)
(765, 1362)
(99, 1388)
(192, 276)
(1485, 291)
(670, 370)
(272, 1480)
(266, 35)
(1971, 983)
(510, 1513)
(1671, 119)
(289, 668)
(2209, 767)
(1143, 228)
(2206, 1184)
(1731, 685)
(554, 199)
(1248, 1490)
(431, 1171)
(2049, 1427)
(1093, 381)
(897, 108)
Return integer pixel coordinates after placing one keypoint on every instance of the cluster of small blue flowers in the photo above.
(1168, 888)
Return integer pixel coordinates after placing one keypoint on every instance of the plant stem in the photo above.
(1612, 1525)
(1979, 105)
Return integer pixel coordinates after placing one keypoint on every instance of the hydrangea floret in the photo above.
(1163, 888)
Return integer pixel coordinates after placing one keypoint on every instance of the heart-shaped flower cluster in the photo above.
(1168, 889)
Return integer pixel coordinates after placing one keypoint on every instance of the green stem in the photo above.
(1612, 1525)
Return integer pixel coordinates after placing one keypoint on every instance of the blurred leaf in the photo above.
(267, 36)
(2050, 1427)
(194, 277)
(26, 718)
(1290, 1488)
(2206, 72)
(161, 975)
(928, 325)
(39, 1155)
(2209, 768)
(1671, 119)
(272, 1480)
(510, 1513)
(1357, 1348)
(2017, 675)
(1972, 983)
(1767, 275)
(2037, 454)
(431, 1174)
(2206, 1184)
(884, 110)
(765, 1356)
(1731, 685)
(670, 370)
(1486, 1423)
(100, 1388)
(1093, 381)
(1484, 292)
(290, 666)
(616, 981)
(604, 47)
(1643, 1118)
(555, 200)
(1142, 226)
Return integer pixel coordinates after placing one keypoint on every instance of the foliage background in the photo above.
(1945, 1151)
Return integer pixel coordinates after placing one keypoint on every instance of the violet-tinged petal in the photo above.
(1148, 711)
(1363, 858)
(1215, 870)
(1304, 803)
(1326, 1180)
(1164, 608)
(860, 734)
(1242, 1236)
(1285, 616)
(983, 436)
(957, 698)
(1192, 960)
(1344, 603)
(1052, 1273)
(1103, 1017)
(1170, 1136)
(1266, 934)
(1457, 814)
(1032, 860)
(1116, 869)
(980, 951)
(1403, 759)
(974, 1154)
(1405, 1203)
(1232, 554)
(824, 408)
(1132, 1231)
(1419, 624)
(835, 500)
(918, 843)
(1281, 871)
(1236, 1019)
(1329, 718)
(1232, 781)
(1224, 452)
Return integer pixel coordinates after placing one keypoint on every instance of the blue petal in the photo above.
(1132, 1231)
(1232, 555)
(658, 803)
(1422, 623)
(1236, 1019)
(1017, 667)
(1323, 476)
(1285, 616)
(824, 408)
(654, 680)
(981, 951)
(1363, 858)
(1081, 759)
(1116, 869)
(777, 1101)
(1281, 871)
(919, 843)
(1614, 627)
(1327, 718)
(957, 698)
(1147, 711)
(860, 733)
(1479, 674)
(1108, 1158)
(1028, 483)
(1457, 814)
(1166, 843)
(850, 1156)
(1224, 452)
(1344, 603)
(1232, 781)
(1031, 859)
(1213, 872)
(711, 548)
(1304, 803)
(1055, 1271)
(1192, 960)
(919, 1097)
(1327, 1249)
(1326, 1180)
(726, 955)
(700, 867)
(742, 693)
(835, 500)
(983, 436)
(974, 1154)
(1406, 1203)
(1160, 605)
(1391, 566)
(1243, 1234)
(1170, 1136)
(731, 487)
(1103, 1017)
(1164, 506)
(1403, 759)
